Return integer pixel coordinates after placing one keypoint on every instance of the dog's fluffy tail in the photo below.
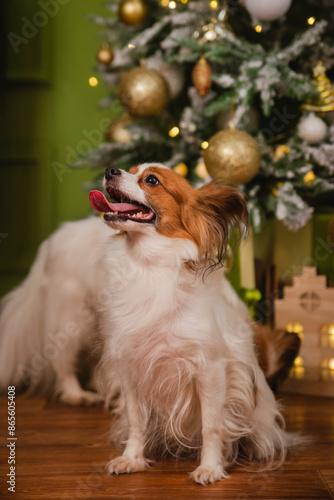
(21, 332)
(277, 350)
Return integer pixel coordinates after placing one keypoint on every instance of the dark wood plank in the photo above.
(61, 453)
(328, 477)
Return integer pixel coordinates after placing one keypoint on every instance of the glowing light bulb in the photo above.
(311, 20)
(309, 177)
(131, 46)
(258, 28)
(213, 4)
(93, 81)
(331, 364)
(174, 132)
(299, 369)
(298, 361)
(181, 169)
(298, 328)
(204, 145)
(164, 3)
(172, 4)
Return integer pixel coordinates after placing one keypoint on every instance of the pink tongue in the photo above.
(100, 203)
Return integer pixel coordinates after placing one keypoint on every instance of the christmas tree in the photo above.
(236, 90)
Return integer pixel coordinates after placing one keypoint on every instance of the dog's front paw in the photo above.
(125, 465)
(208, 474)
(77, 398)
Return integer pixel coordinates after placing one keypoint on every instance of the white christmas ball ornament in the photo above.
(267, 10)
(312, 129)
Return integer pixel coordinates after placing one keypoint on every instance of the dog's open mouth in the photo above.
(123, 209)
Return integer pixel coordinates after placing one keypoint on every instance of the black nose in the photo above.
(111, 172)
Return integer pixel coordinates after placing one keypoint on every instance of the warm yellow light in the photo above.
(174, 132)
(281, 151)
(298, 369)
(327, 369)
(131, 46)
(258, 28)
(181, 169)
(184, 1)
(289, 327)
(204, 145)
(201, 170)
(210, 35)
(213, 4)
(172, 4)
(298, 328)
(298, 361)
(164, 3)
(309, 177)
(93, 81)
(311, 20)
(295, 328)
(331, 329)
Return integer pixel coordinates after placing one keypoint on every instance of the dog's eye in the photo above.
(152, 180)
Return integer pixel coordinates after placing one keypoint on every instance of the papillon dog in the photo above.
(176, 351)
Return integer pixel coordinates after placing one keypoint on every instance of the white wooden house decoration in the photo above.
(307, 308)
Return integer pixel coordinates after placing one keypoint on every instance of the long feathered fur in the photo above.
(21, 313)
(48, 320)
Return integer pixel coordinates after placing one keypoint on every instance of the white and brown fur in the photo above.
(179, 358)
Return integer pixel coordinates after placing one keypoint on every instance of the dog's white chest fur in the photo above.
(153, 307)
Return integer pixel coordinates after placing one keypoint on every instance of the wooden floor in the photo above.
(61, 452)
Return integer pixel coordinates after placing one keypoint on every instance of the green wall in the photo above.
(48, 113)
(77, 117)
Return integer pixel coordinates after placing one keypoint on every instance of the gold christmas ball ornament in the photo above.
(233, 156)
(132, 12)
(143, 92)
(181, 169)
(105, 55)
(117, 130)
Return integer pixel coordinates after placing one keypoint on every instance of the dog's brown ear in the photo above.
(218, 207)
(276, 352)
